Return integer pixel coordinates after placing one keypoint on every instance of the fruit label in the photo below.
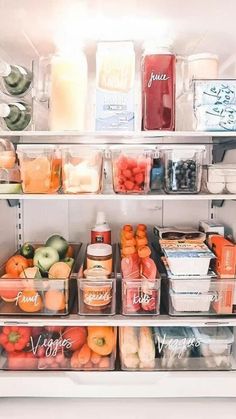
(176, 346)
(51, 346)
(30, 299)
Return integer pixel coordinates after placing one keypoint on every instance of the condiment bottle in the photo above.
(101, 232)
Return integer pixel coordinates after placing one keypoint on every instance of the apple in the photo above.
(58, 243)
(45, 257)
(27, 250)
(69, 261)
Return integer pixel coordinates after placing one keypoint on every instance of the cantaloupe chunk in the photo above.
(59, 270)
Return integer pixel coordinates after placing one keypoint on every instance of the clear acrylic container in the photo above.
(40, 168)
(201, 297)
(7, 154)
(131, 171)
(97, 289)
(10, 182)
(58, 348)
(220, 178)
(183, 168)
(176, 348)
(38, 297)
(140, 296)
(82, 170)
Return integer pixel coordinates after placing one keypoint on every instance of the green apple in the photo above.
(45, 257)
(69, 261)
(58, 243)
(27, 250)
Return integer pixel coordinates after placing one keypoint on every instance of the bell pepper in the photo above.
(22, 361)
(14, 338)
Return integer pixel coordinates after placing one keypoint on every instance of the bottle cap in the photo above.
(101, 218)
(4, 110)
(5, 69)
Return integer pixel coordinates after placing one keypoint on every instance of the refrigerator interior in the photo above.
(30, 29)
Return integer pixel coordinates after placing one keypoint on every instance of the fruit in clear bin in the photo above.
(15, 265)
(29, 301)
(69, 261)
(77, 336)
(45, 257)
(70, 252)
(59, 270)
(54, 300)
(31, 273)
(36, 175)
(131, 175)
(58, 243)
(27, 250)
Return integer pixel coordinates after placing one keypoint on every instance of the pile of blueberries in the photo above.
(181, 176)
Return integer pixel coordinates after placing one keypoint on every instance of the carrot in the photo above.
(141, 242)
(84, 354)
(74, 360)
(95, 358)
(144, 252)
(105, 362)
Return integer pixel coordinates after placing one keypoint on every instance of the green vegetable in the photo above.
(27, 250)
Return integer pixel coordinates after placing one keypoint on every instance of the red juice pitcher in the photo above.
(158, 89)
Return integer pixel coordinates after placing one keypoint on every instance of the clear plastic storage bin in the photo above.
(81, 170)
(131, 171)
(38, 297)
(91, 348)
(220, 178)
(201, 297)
(141, 296)
(176, 348)
(97, 289)
(183, 168)
(40, 168)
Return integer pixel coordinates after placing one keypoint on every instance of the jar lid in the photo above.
(203, 56)
(99, 249)
(96, 273)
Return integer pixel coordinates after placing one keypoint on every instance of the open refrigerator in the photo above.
(32, 217)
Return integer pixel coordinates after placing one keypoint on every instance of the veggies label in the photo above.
(52, 347)
(177, 346)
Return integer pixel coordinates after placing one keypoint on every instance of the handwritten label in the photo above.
(223, 94)
(51, 346)
(144, 299)
(176, 346)
(157, 77)
(33, 299)
(97, 296)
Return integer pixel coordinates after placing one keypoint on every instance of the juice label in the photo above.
(158, 91)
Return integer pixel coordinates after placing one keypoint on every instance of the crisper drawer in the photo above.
(40, 296)
(176, 348)
(90, 348)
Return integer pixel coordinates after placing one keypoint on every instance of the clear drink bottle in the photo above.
(16, 116)
(158, 88)
(16, 80)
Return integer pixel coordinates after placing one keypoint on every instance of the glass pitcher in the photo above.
(62, 82)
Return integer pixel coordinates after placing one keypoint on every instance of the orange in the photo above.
(30, 301)
(8, 292)
(15, 265)
(55, 300)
